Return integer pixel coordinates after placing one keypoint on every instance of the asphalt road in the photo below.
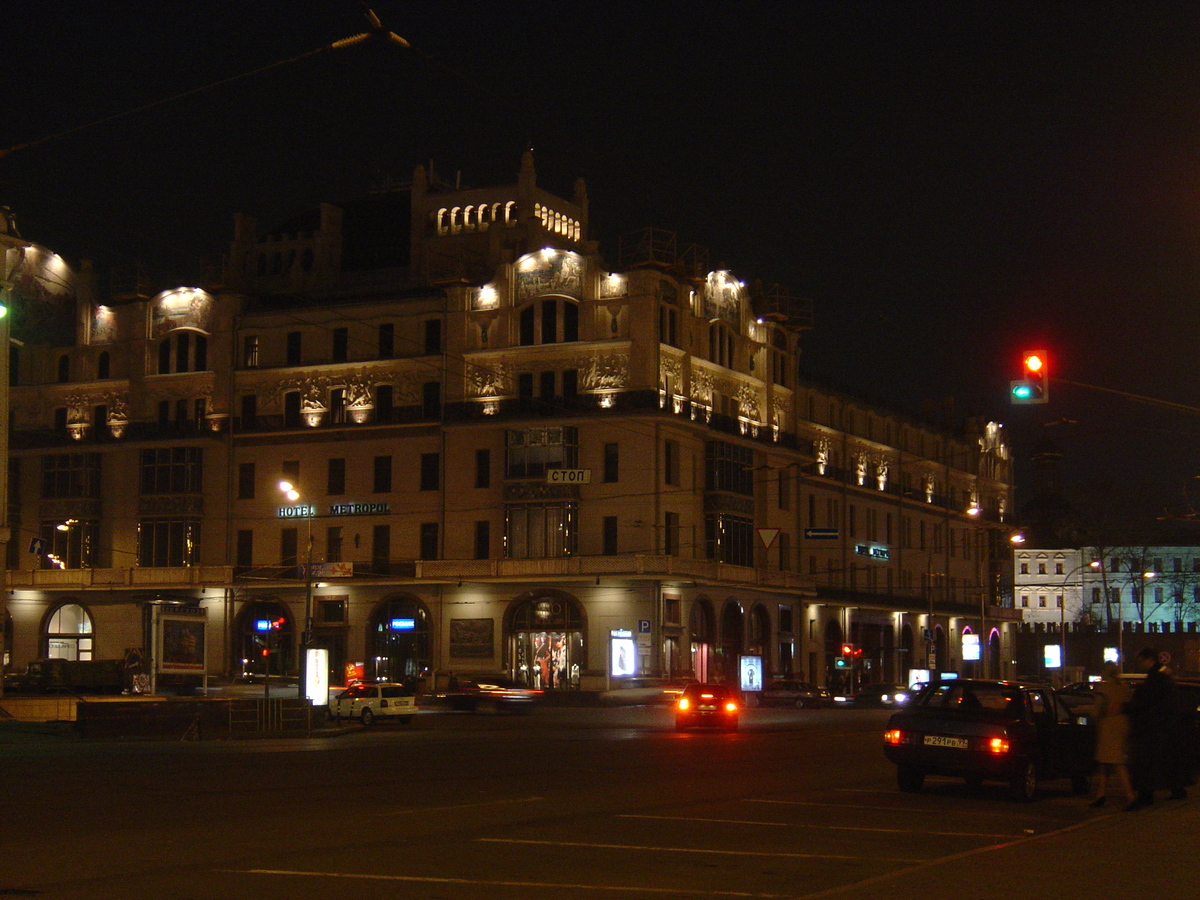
(578, 803)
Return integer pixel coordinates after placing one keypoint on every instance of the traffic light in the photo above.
(1034, 384)
(846, 660)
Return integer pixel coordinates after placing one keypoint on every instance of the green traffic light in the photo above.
(1022, 390)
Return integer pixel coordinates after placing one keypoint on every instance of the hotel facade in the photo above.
(503, 454)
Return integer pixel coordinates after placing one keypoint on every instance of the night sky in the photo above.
(950, 183)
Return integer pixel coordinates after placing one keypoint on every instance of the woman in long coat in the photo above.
(1112, 735)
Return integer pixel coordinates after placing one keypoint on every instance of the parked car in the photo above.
(490, 693)
(639, 691)
(989, 731)
(367, 702)
(875, 696)
(799, 694)
(707, 705)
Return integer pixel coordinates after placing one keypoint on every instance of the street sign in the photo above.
(643, 626)
(568, 476)
(820, 534)
(767, 536)
(36, 546)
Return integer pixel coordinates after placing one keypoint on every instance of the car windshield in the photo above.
(1001, 699)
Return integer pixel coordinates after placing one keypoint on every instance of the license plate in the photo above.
(937, 740)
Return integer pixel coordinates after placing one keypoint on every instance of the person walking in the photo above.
(1112, 735)
(1156, 725)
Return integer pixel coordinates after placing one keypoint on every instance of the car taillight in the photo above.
(684, 703)
(997, 745)
(893, 736)
(730, 706)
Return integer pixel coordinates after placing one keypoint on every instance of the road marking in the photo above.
(696, 850)
(897, 809)
(479, 882)
(941, 860)
(970, 834)
(427, 809)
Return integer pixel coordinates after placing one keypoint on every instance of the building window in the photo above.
(667, 318)
(612, 462)
(1024, 568)
(381, 549)
(333, 543)
(728, 468)
(289, 469)
(69, 633)
(610, 536)
(483, 539)
(529, 453)
(387, 340)
(720, 345)
(291, 409)
(250, 351)
(551, 321)
(540, 531)
(433, 336)
(483, 468)
(341, 345)
(429, 540)
(69, 544)
(671, 463)
(671, 534)
(729, 539)
(249, 417)
(430, 471)
(246, 481)
(431, 400)
(69, 476)
(171, 470)
(293, 352)
(335, 482)
(383, 475)
(102, 365)
(337, 406)
(245, 549)
(289, 548)
(64, 369)
(385, 409)
(169, 542)
(525, 391)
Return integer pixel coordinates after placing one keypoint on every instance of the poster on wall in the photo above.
(472, 639)
(750, 672)
(623, 655)
(181, 641)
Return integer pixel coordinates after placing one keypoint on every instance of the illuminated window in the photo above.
(168, 542)
(69, 633)
(540, 530)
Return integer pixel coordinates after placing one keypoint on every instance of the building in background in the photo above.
(504, 455)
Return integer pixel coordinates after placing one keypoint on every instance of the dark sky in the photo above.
(949, 182)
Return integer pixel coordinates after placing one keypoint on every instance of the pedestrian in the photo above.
(1112, 735)
(1156, 726)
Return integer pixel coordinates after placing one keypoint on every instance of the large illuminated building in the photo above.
(505, 455)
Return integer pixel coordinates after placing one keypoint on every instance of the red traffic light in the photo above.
(847, 649)
(1034, 384)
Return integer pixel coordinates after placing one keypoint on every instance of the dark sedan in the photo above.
(989, 731)
(799, 694)
(489, 693)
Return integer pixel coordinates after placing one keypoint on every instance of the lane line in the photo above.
(857, 886)
(894, 809)
(965, 834)
(423, 809)
(696, 850)
(479, 882)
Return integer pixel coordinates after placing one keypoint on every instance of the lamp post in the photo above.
(289, 491)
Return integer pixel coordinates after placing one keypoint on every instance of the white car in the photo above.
(366, 702)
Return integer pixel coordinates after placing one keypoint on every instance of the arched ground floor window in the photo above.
(68, 633)
(546, 633)
(258, 651)
(398, 642)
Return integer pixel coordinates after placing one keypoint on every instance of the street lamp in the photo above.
(289, 491)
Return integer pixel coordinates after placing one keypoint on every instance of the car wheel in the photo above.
(800, 704)
(909, 779)
(368, 717)
(1023, 786)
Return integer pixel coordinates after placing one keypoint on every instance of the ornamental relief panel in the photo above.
(488, 381)
(747, 401)
(558, 272)
(606, 371)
